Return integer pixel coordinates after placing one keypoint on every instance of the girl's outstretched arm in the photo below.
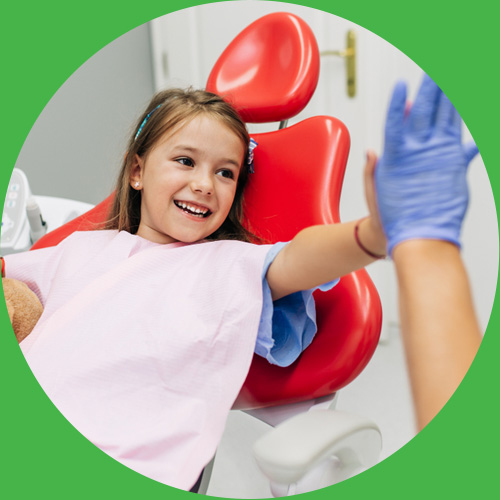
(320, 254)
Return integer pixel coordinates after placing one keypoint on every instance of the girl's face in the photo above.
(188, 181)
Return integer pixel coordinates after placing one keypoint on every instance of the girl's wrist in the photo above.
(370, 237)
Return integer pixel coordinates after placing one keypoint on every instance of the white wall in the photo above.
(76, 145)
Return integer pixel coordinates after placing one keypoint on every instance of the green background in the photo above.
(43, 43)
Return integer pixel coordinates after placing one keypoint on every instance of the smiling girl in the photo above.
(149, 326)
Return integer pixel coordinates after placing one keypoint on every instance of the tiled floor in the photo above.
(380, 393)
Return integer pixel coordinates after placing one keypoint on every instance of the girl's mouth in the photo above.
(196, 211)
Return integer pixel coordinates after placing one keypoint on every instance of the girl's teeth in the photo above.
(193, 210)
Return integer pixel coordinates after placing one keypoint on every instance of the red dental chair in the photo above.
(269, 73)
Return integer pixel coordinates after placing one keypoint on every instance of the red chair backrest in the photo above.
(270, 70)
(297, 183)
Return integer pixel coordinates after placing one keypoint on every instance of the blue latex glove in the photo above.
(420, 179)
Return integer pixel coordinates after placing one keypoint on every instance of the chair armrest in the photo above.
(292, 449)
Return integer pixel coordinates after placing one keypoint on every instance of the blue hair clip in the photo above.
(144, 121)
(251, 148)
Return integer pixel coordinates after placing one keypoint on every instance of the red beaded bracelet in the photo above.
(358, 241)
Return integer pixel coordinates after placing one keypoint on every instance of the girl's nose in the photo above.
(202, 183)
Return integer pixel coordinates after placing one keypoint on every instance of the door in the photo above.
(187, 43)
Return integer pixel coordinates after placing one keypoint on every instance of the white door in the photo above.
(187, 43)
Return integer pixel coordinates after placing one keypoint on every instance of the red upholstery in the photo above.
(270, 70)
(297, 183)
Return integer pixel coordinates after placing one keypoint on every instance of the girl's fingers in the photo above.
(369, 179)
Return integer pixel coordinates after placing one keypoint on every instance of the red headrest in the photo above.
(269, 72)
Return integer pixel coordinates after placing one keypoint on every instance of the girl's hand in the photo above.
(420, 180)
(371, 231)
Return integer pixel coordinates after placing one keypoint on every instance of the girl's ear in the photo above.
(136, 172)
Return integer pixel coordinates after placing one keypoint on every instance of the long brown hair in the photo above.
(166, 110)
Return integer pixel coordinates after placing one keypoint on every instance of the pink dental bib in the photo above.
(144, 347)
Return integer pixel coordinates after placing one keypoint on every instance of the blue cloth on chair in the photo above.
(288, 325)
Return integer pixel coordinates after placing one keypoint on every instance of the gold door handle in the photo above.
(349, 54)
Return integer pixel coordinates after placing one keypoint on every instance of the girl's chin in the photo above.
(189, 238)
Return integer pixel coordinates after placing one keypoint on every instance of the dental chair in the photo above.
(269, 72)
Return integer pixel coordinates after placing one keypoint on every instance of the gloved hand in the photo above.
(420, 179)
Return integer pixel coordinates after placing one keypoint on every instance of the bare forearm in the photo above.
(439, 325)
(320, 254)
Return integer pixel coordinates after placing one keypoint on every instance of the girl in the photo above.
(149, 326)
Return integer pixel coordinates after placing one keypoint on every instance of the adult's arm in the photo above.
(440, 331)
(422, 197)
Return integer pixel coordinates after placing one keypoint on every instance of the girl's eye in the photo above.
(185, 161)
(228, 174)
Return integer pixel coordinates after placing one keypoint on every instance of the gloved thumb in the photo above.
(470, 150)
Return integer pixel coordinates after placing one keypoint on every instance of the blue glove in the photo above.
(420, 180)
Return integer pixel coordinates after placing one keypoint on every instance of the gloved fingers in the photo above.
(423, 112)
(448, 121)
(395, 117)
(458, 123)
(470, 151)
